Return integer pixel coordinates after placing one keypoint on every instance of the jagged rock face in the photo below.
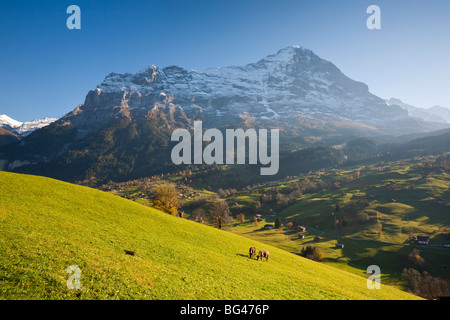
(282, 87)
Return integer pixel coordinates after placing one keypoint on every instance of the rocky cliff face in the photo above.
(282, 87)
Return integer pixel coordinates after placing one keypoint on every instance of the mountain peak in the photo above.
(23, 128)
(5, 120)
(293, 53)
(292, 81)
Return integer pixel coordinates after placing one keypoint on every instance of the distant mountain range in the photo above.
(433, 114)
(293, 89)
(122, 130)
(22, 129)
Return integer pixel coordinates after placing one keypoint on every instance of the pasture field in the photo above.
(402, 199)
(48, 225)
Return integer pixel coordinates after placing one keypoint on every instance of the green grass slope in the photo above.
(47, 225)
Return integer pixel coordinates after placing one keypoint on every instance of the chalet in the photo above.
(301, 236)
(300, 228)
(258, 217)
(339, 246)
(268, 226)
(421, 240)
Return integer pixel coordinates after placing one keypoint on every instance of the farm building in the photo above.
(339, 246)
(421, 240)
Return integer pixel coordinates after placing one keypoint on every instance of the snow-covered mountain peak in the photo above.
(293, 55)
(289, 53)
(23, 128)
(293, 81)
(7, 121)
(145, 79)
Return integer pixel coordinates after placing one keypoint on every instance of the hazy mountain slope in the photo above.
(442, 112)
(433, 114)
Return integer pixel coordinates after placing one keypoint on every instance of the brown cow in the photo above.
(263, 254)
(252, 252)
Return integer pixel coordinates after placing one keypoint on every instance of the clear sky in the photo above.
(47, 69)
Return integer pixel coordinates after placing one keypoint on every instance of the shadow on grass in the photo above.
(259, 230)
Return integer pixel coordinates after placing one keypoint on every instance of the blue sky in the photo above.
(47, 70)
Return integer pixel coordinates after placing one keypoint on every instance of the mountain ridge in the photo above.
(436, 113)
(23, 129)
(123, 128)
(266, 89)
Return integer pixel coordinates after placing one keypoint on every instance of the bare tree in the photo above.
(219, 213)
(199, 215)
(415, 260)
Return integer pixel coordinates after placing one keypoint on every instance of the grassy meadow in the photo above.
(401, 199)
(48, 225)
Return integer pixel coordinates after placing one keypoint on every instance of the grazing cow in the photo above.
(131, 253)
(252, 252)
(263, 254)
